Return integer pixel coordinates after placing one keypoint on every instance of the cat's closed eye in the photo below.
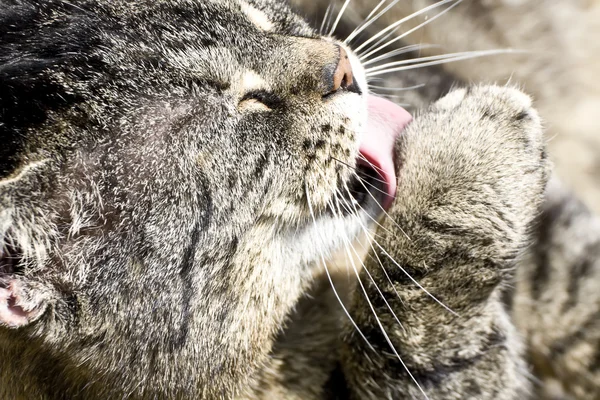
(260, 99)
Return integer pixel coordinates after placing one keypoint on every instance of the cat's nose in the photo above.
(340, 76)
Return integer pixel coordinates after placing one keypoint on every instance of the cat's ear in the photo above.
(22, 242)
(20, 303)
(22, 299)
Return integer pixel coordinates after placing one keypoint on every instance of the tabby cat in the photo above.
(175, 176)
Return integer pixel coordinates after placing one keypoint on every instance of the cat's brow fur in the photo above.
(157, 161)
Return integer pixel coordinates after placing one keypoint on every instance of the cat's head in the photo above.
(172, 174)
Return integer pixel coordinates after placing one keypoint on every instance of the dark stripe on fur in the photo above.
(431, 376)
(184, 274)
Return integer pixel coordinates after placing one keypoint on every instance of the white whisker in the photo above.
(403, 20)
(446, 60)
(368, 22)
(402, 89)
(383, 209)
(371, 237)
(400, 37)
(339, 17)
(377, 256)
(429, 58)
(379, 41)
(403, 50)
(325, 17)
(356, 169)
(374, 10)
(312, 214)
(348, 244)
(383, 331)
(415, 281)
(374, 252)
(321, 172)
(365, 229)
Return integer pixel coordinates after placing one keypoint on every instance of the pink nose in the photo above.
(342, 77)
(339, 77)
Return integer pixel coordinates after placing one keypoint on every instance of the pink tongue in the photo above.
(386, 121)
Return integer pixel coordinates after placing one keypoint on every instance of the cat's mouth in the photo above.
(376, 171)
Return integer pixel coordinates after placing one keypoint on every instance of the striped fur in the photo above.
(167, 173)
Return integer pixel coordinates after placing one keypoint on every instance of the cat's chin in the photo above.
(377, 176)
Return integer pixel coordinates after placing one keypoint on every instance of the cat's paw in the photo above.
(471, 174)
(473, 166)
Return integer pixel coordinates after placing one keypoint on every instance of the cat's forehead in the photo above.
(219, 41)
(222, 18)
(273, 16)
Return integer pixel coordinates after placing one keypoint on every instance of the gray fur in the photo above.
(156, 227)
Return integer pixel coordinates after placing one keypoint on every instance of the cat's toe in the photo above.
(511, 111)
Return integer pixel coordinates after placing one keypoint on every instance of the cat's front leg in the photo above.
(471, 175)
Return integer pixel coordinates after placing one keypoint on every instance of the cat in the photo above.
(554, 303)
(174, 174)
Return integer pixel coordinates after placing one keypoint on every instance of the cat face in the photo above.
(175, 172)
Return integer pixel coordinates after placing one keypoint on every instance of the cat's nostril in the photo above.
(342, 76)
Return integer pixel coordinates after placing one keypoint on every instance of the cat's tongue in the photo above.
(386, 121)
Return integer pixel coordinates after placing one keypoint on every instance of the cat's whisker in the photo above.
(339, 17)
(382, 329)
(374, 10)
(379, 41)
(403, 50)
(401, 89)
(377, 257)
(369, 80)
(385, 213)
(373, 240)
(353, 168)
(325, 17)
(401, 21)
(375, 167)
(347, 206)
(330, 17)
(369, 20)
(337, 296)
(434, 58)
(362, 182)
(385, 271)
(415, 281)
(365, 182)
(364, 267)
(336, 191)
(402, 36)
(484, 53)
